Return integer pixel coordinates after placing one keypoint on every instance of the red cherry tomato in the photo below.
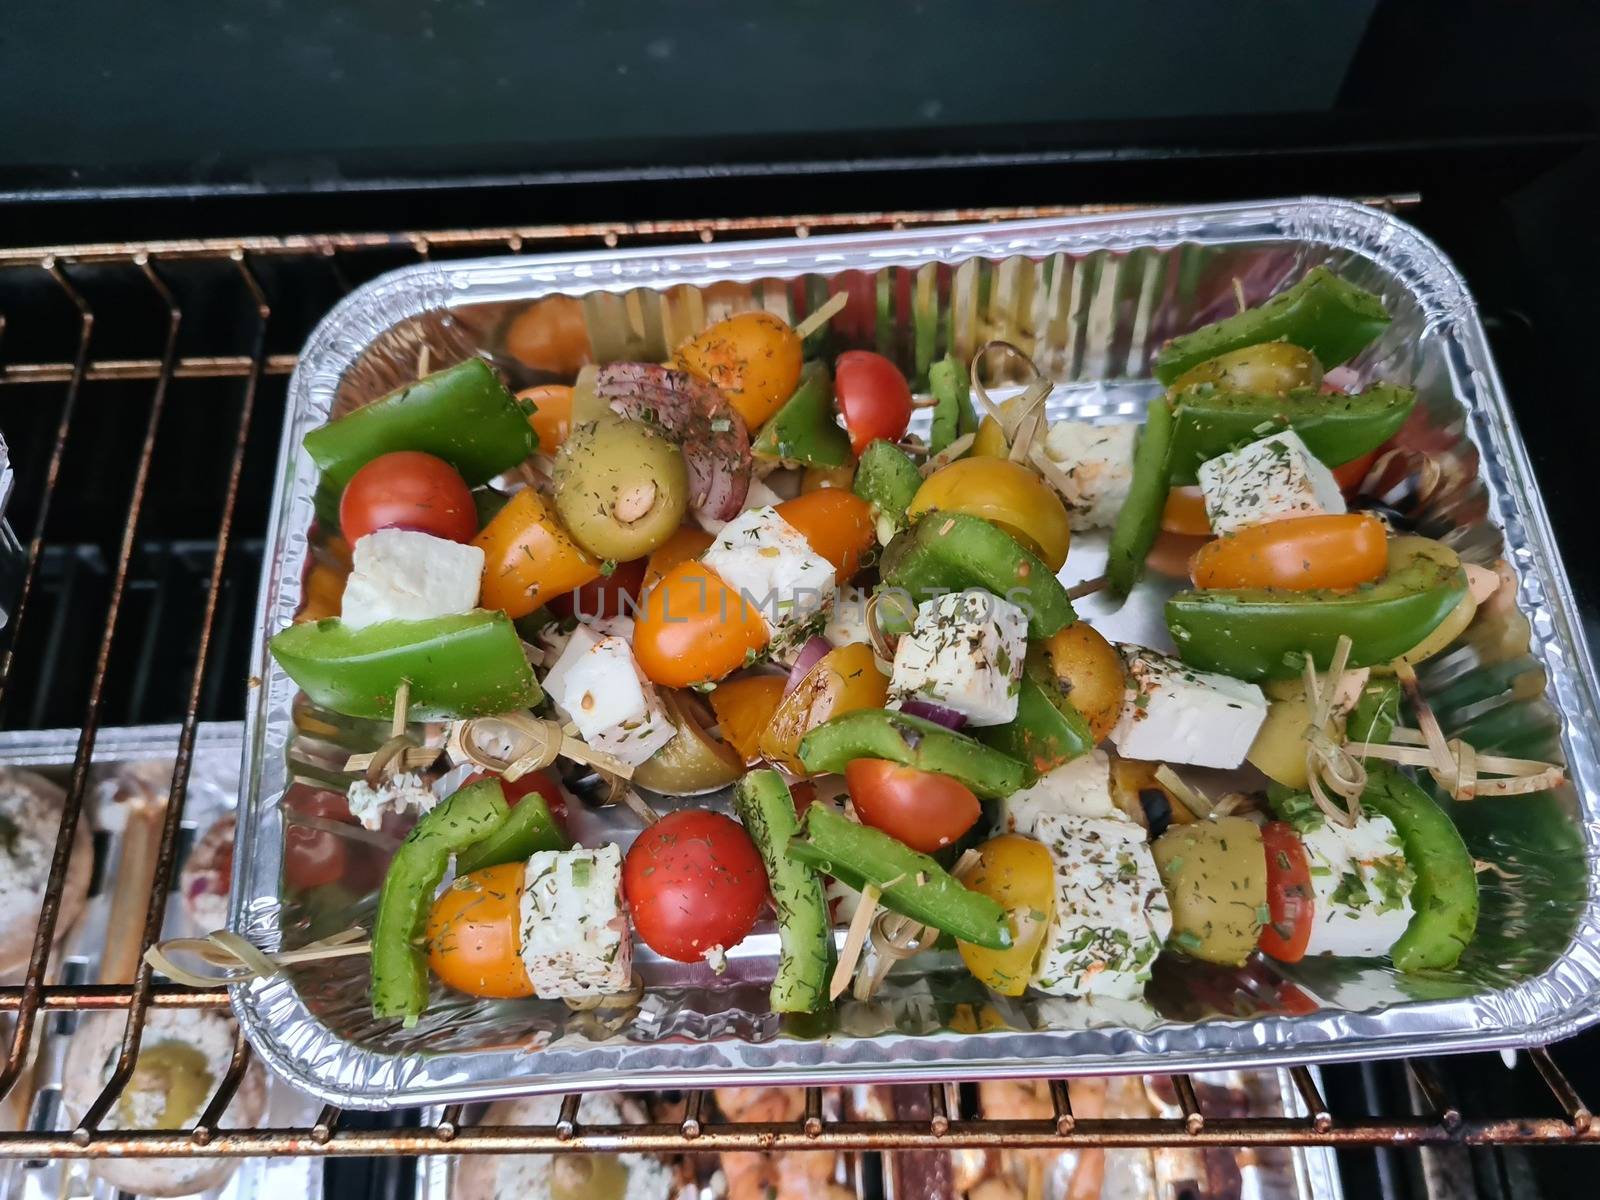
(693, 880)
(924, 810)
(1349, 475)
(604, 596)
(1289, 904)
(315, 857)
(873, 398)
(534, 781)
(408, 490)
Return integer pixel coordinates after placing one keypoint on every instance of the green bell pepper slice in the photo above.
(1265, 633)
(805, 942)
(1139, 520)
(1322, 313)
(464, 665)
(912, 742)
(951, 552)
(1376, 713)
(399, 966)
(1047, 731)
(528, 829)
(804, 430)
(1335, 427)
(462, 414)
(887, 479)
(912, 884)
(953, 413)
(1445, 899)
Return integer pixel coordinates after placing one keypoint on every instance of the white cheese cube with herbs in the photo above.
(1269, 480)
(965, 652)
(1080, 788)
(1173, 713)
(1097, 461)
(574, 931)
(1111, 914)
(403, 575)
(1361, 885)
(597, 684)
(769, 562)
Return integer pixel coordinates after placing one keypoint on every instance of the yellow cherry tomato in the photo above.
(816, 479)
(474, 943)
(753, 358)
(1016, 873)
(1091, 673)
(552, 414)
(528, 558)
(990, 441)
(1005, 493)
(744, 709)
(843, 681)
(693, 628)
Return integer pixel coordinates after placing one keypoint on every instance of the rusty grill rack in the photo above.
(156, 267)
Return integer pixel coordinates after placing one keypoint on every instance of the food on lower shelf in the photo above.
(889, 622)
(207, 875)
(562, 1176)
(30, 815)
(183, 1056)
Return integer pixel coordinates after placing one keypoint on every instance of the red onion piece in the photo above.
(813, 652)
(937, 713)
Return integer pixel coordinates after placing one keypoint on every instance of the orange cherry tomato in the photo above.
(407, 489)
(924, 810)
(872, 396)
(1173, 552)
(1289, 896)
(613, 595)
(1329, 551)
(744, 709)
(844, 680)
(692, 627)
(1185, 512)
(550, 335)
(1003, 493)
(1349, 475)
(689, 542)
(753, 358)
(552, 414)
(474, 943)
(837, 523)
(528, 558)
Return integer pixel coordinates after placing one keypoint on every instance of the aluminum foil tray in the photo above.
(1090, 299)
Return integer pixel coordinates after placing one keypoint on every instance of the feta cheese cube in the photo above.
(965, 652)
(759, 495)
(404, 792)
(1361, 886)
(1173, 713)
(1080, 788)
(597, 685)
(1098, 459)
(574, 932)
(1111, 916)
(769, 562)
(403, 575)
(847, 620)
(1268, 480)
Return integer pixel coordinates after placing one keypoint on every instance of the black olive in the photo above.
(1157, 810)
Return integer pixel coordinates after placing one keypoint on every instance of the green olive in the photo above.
(1270, 369)
(175, 1071)
(1215, 873)
(620, 487)
(692, 763)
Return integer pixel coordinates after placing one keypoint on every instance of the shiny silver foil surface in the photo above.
(1090, 299)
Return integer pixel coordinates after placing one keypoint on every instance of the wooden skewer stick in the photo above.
(830, 309)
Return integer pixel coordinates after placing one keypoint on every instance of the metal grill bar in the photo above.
(698, 1130)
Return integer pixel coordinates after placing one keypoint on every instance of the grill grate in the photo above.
(179, 348)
